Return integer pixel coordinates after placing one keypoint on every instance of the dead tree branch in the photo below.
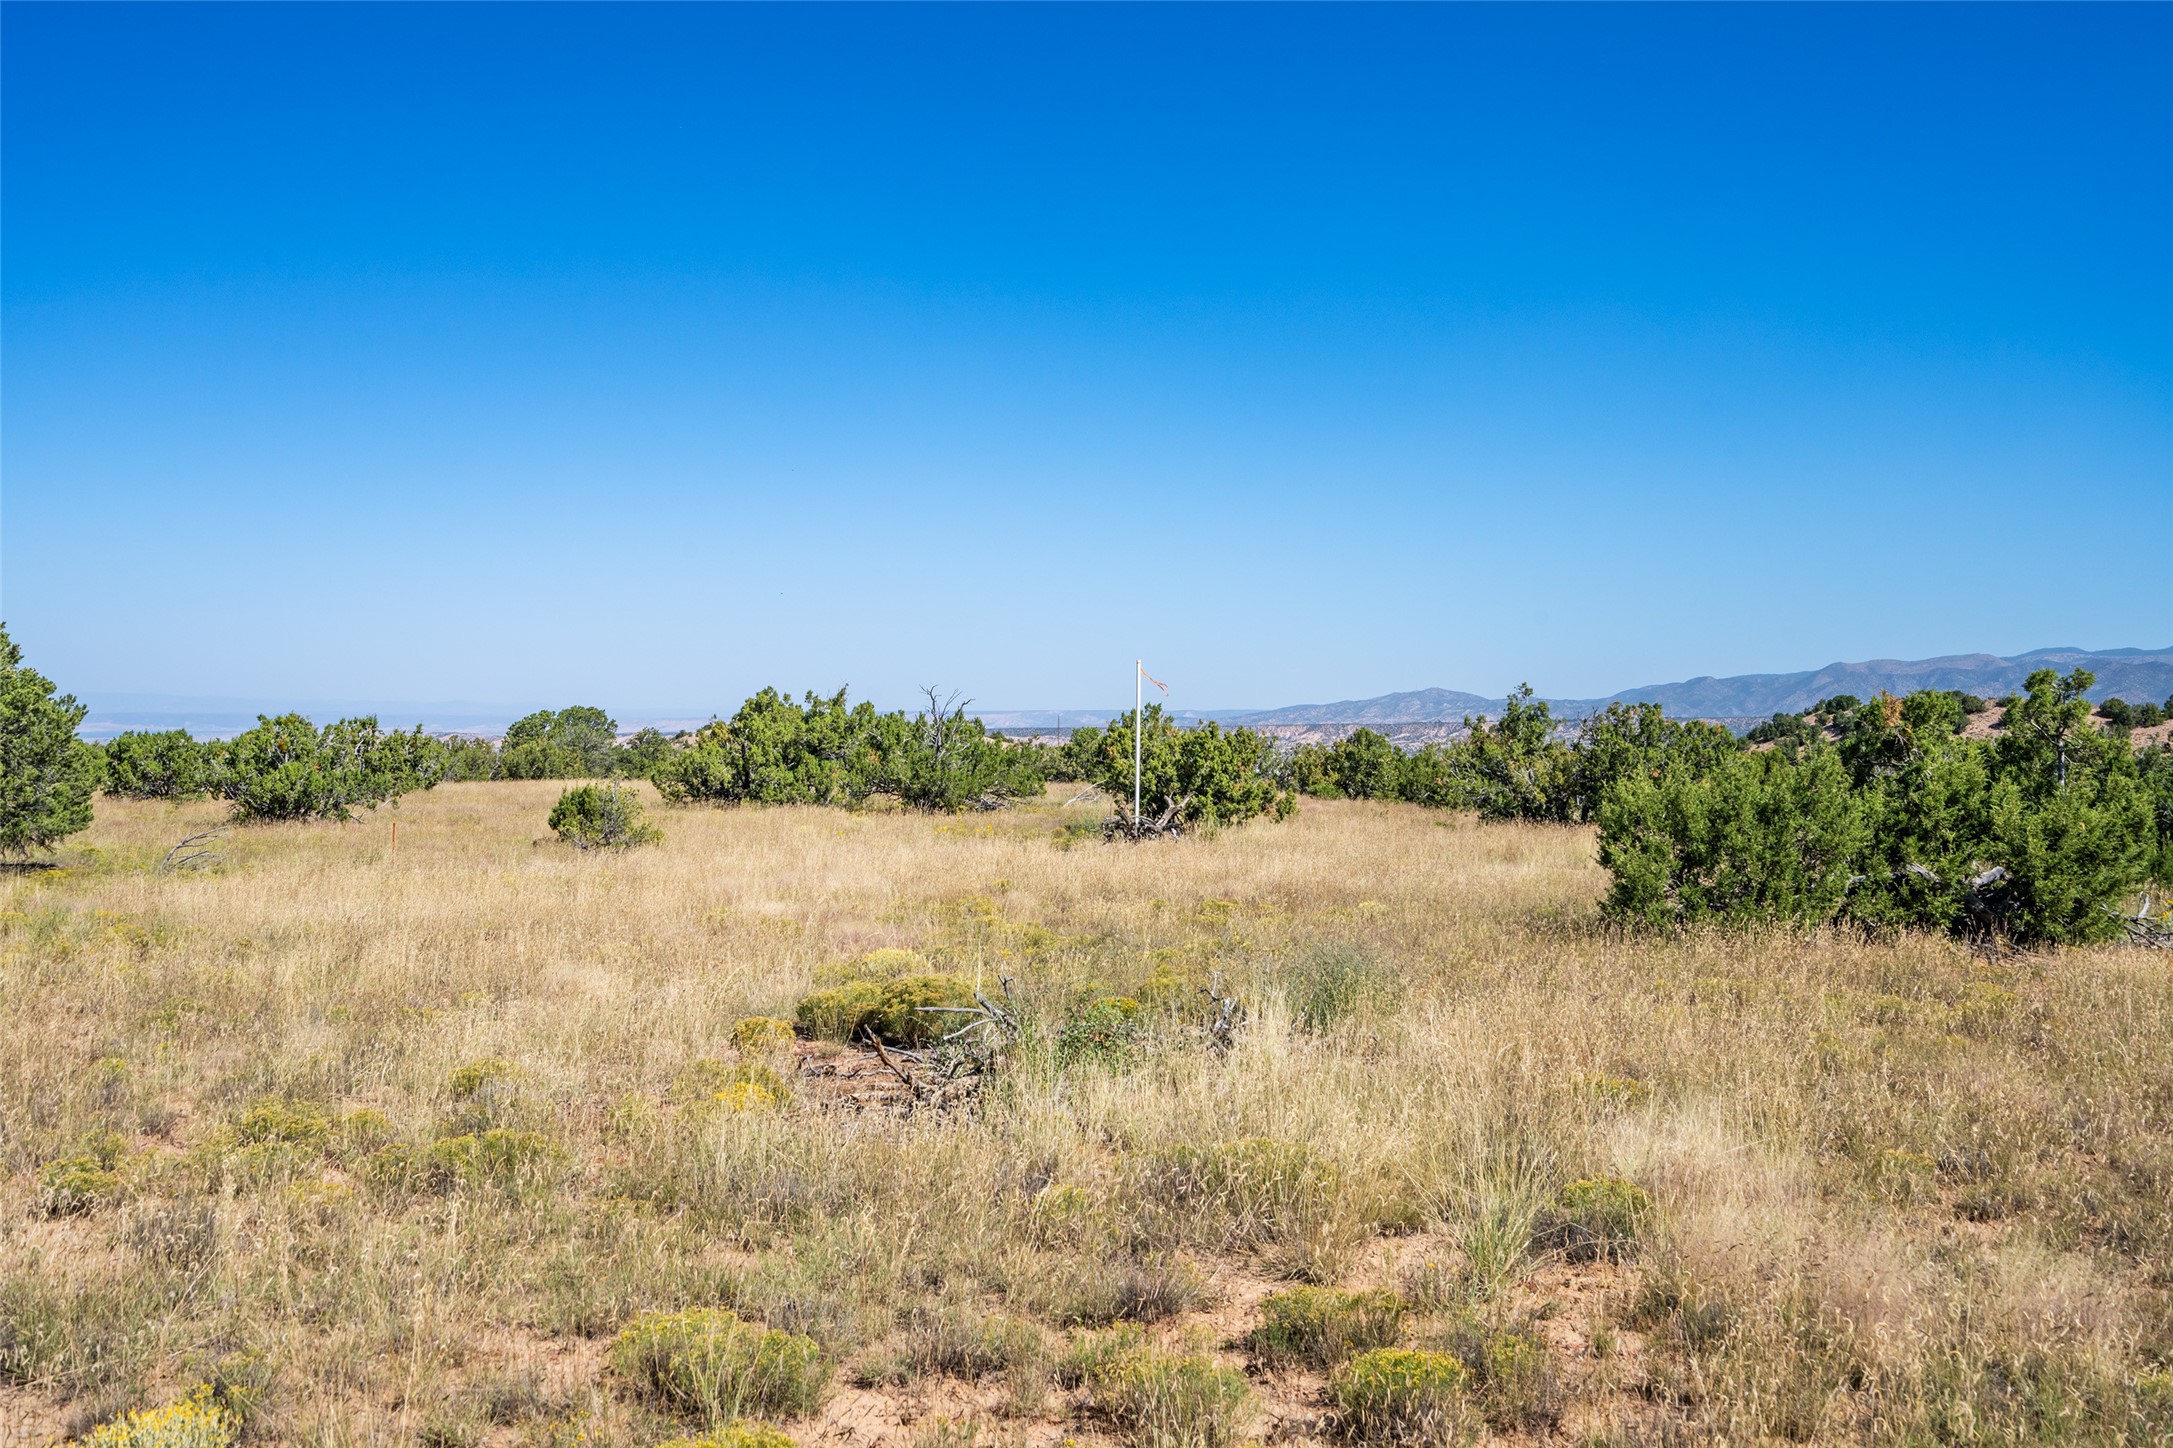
(195, 852)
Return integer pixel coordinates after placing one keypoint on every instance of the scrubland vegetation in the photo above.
(1640, 1086)
(500, 1141)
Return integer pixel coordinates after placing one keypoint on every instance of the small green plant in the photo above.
(762, 1036)
(602, 817)
(738, 1086)
(839, 1012)
(497, 1157)
(888, 963)
(486, 1094)
(1403, 1395)
(286, 1123)
(1160, 1397)
(907, 1010)
(915, 1010)
(1594, 1219)
(735, 1435)
(1517, 1387)
(1105, 1032)
(492, 1073)
(710, 1361)
(87, 1179)
(198, 1420)
(1322, 1326)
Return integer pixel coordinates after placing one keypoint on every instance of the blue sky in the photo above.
(645, 356)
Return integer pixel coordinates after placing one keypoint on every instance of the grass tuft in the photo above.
(1157, 1396)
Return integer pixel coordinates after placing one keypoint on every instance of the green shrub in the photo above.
(576, 743)
(46, 773)
(289, 769)
(945, 762)
(485, 1094)
(1105, 1031)
(735, 1435)
(773, 751)
(1758, 837)
(602, 817)
(1191, 777)
(288, 1123)
(1073, 761)
(646, 752)
(888, 992)
(824, 751)
(1360, 765)
(1514, 767)
(464, 757)
(198, 1420)
(707, 1360)
(762, 1036)
(163, 765)
(839, 1013)
(492, 1076)
(1626, 741)
(2038, 837)
(888, 963)
(498, 1157)
(1403, 1395)
(1791, 733)
(905, 1017)
(1322, 1326)
(740, 1086)
(76, 1184)
(1596, 1218)
(2035, 837)
(1514, 1377)
(1160, 1397)
(2155, 769)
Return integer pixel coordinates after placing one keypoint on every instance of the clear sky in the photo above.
(644, 356)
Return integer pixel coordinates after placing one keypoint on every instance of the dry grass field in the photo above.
(391, 1146)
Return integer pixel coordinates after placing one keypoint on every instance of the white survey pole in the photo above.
(1139, 713)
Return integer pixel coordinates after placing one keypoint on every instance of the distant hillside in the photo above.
(2132, 674)
(1421, 706)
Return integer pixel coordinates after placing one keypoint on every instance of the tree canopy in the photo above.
(47, 774)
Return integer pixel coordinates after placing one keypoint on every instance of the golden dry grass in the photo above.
(1902, 1195)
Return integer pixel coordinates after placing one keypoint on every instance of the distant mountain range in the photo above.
(2132, 674)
